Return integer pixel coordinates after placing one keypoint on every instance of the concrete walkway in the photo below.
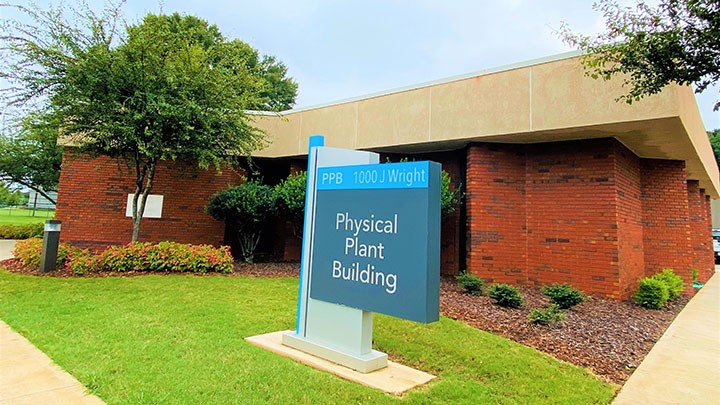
(6, 247)
(684, 365)
(27, 375)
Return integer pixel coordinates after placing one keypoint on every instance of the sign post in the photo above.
(371, 243)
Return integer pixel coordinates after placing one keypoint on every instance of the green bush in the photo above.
(471, 283)
(672, 281)
(166, 257)
(246, 208)
(21, 231)
(505, 295)
(651, 293)
(291, 196)
(563, 295)
(546, 316)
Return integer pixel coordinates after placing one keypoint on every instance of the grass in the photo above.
(21, 216)
(179, 339)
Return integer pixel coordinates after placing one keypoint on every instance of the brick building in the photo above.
(563, 183)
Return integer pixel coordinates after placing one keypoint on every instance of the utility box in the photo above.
(51, 240)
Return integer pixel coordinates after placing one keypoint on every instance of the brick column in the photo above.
(666, 234)
(700, 230)
(495, 208)
(571, 215)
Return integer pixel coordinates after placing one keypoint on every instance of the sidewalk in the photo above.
(6, 246)
(27, 375)
(684, 365)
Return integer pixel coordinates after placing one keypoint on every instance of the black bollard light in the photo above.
(51, 240)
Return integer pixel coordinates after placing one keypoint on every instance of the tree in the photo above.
(677, 41)
(30, 156)
(169, 88)
(247, 208)
(11, 197)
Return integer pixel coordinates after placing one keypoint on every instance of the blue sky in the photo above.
(342, 49)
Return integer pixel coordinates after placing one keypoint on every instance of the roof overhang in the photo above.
(545, 100)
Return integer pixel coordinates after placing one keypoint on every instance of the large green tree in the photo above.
(675, 41)
(171, 87)
(30, 156)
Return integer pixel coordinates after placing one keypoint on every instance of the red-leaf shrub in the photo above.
(167, 257)
(28, 251)
(138, 256)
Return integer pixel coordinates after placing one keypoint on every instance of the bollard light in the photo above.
(51, 240)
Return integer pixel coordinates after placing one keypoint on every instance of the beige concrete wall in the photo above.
(550, 100)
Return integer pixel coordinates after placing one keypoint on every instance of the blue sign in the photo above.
(376, 243)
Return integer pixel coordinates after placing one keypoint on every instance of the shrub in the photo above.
(505, 295)
(291, 196)
(21, 231)
(471, 283)
(672, 281)
(449, 199)
(81, 261)
(28, 251)
(546, 316)
(651, 293)
(246, 208)
(563, 295)
(166, 257)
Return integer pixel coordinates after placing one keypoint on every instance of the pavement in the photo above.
(29, 376)
(684, 365)
(6, 246)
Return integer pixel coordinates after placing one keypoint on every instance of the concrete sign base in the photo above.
(363, 363)
(393, 379)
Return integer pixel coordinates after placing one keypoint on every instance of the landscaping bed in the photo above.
(608, 337)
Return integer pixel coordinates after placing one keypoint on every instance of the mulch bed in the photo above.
(607, 337)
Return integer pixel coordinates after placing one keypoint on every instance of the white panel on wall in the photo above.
(153, 206)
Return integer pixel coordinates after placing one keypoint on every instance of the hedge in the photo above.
(21, 231)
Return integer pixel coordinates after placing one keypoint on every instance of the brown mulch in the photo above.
(607, 337)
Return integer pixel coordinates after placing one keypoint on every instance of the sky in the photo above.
(342, 49)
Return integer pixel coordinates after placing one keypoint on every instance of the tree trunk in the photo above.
(142, 189)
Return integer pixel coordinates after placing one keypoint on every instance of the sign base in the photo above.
(393, 379)
(364, 363)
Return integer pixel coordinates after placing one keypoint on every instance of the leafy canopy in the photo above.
(676, 41)
(30, 155)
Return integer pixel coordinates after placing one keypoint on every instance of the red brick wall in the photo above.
(666, 234)
(700, 231)
(709, 269)
(590, 213)
(495, 213)
(629, 220)
(93, 193)
(571, 215)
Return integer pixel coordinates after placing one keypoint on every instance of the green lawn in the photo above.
(179, 339)
(20, 216)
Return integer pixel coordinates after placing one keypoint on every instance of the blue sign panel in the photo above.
(377, 238)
